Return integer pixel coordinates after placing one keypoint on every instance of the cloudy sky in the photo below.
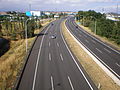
(60, 5)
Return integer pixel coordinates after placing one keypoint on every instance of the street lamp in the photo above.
(95, 29)
(82, 19)
(95, 26)
(26, 33)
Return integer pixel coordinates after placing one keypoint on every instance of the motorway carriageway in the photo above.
(52, 66)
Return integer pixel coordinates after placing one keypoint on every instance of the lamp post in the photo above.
(26, 33)
(95, 27)
(82, 19)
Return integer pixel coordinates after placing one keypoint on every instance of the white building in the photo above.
(112, 17)
(47, 13)
(35, 13)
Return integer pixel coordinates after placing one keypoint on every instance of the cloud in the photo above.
(52, 4)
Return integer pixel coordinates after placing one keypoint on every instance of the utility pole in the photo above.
(29, 7)
(117, 9)
(103, 10)
(26, 32)
(95, 26)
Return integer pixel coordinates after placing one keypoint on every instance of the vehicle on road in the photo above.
(76, 26)
(53, 36)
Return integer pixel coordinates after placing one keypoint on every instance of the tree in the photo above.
(31, 28)
(105, 27)
(0, 30)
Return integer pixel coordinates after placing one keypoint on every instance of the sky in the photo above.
(60, 5)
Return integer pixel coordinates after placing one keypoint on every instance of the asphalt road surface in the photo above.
(52, 66)
(108, 56)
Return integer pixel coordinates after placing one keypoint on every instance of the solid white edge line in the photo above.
(76, 62)
(52, 83)
(38, 58)
(105, 67)
(70, 83)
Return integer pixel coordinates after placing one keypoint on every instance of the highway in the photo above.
(107, 55)
(52, 66)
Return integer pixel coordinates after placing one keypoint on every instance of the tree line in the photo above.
(98, 23)
(13, 28)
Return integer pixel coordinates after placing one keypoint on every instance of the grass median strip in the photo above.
(99, 77)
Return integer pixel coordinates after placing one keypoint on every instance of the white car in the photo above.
(53, 36)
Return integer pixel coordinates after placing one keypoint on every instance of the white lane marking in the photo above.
(107, 50)
(117, 64)
(58, 44)
(49, 44)
(52, 83)
(61, 56)
(87, 41)
(49, 56)
(38, 58)
(98, 50)
(76, 63)
(70, 83)
(93, 41)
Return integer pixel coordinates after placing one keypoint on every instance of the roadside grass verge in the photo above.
(97, 75)
(104, 39)
(12, 61)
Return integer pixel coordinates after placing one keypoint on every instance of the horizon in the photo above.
(55, 5)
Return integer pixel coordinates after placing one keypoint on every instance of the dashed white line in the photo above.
(107, 50)
(70, 83)
(61, 57)
(98, 50)
(117, 64)
(87, 41)
(58, 44)
(52, 83)
(49, 56)
(49, 44)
